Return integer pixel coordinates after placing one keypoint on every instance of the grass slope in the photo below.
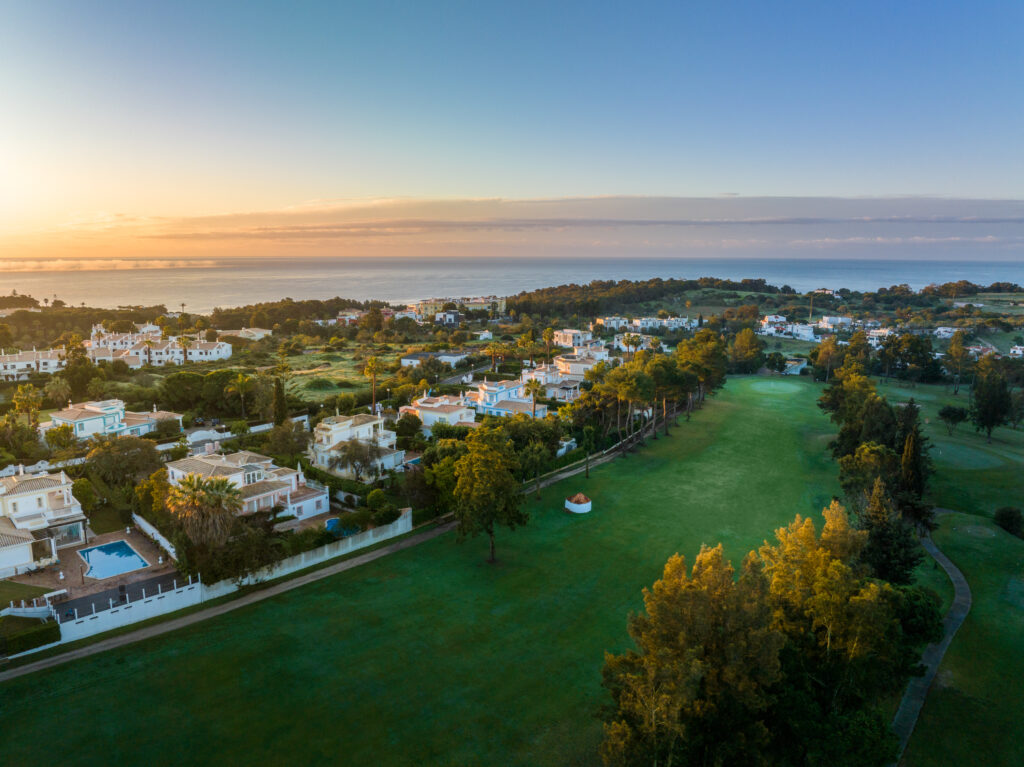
(974, 709)
(432, 655)
(971, 475)
(10, 590)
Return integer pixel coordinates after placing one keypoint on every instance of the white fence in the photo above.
(131, 612)
(334, 549)
(187, 595)
(10, 471)
(146, 527)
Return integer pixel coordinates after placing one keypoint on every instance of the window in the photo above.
(14, 507)
(39, 502)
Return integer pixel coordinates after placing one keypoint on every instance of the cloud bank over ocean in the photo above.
(897, 227)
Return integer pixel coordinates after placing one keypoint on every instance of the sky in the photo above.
(187, 128)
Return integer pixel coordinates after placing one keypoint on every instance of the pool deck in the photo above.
(78, 585)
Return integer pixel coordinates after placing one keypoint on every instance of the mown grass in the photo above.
(973, 712)
(971, 474)
(10, 590)
(432, 655)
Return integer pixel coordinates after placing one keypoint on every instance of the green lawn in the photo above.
(107, 519)
(431, 655)
(971, 475)
(974, 711)
(10, 590)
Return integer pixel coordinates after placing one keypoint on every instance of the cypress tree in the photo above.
(280, 404)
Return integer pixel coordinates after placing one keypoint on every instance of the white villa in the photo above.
(574, 365)
(19, 366)
(150, 348)
(646, 342)
(944, 333)
(38, 515)
(556, 385)
(594, 348)
(777, 325)
(503, 398)
(107, 418)
(1017, 351)
(445, 409)
(330, 435)
(834, 324)
(451, 357)
(262, 484)
(569, 337)
(877, 335)
(254, 334)
(638, 324)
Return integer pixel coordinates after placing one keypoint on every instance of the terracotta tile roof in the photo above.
(12, 536)
(262, 488)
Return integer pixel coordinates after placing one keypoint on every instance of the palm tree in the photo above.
(185, 343)
(587, 443)
(148, 343)
(534, 389)
(371, 370)
(241, 385)
(493, 350)
(28, 399)
(58, 391)
(549, 338)
(205, 507)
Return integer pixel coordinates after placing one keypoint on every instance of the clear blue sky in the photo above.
(181, 108)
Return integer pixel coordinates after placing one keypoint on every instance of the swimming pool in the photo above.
(110, 559)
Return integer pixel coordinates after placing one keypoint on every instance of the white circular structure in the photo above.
(577, 504)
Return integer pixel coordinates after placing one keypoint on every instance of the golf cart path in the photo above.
(917, 690)
(212, 612)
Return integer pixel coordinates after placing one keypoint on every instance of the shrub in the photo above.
(376, 500)
(386, 514)
(1010, 519)
(420, 516)
(20, 634)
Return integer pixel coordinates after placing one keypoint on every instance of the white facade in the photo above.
(331, 434)
(556, 385)
(37, 509)
(503, 398)
(258, 334)
(1017, 351)
(569, 337)
(262, 484)
(944, 333)
(108, 418)
(19, 366)
(444, 409)
(646, 342)
(835, 323)
(150, 348)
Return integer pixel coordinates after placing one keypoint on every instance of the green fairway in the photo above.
(431, 655)
(971, 475)
(974, 709)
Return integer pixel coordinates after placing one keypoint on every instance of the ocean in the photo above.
(241, 281)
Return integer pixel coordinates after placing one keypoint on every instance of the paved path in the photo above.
(913, 699)
(256, 596)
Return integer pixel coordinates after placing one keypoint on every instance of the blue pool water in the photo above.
(112, 559)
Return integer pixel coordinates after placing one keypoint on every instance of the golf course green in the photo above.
(432, 655)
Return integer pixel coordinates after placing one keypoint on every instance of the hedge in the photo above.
(333, 483)
(19, 634)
